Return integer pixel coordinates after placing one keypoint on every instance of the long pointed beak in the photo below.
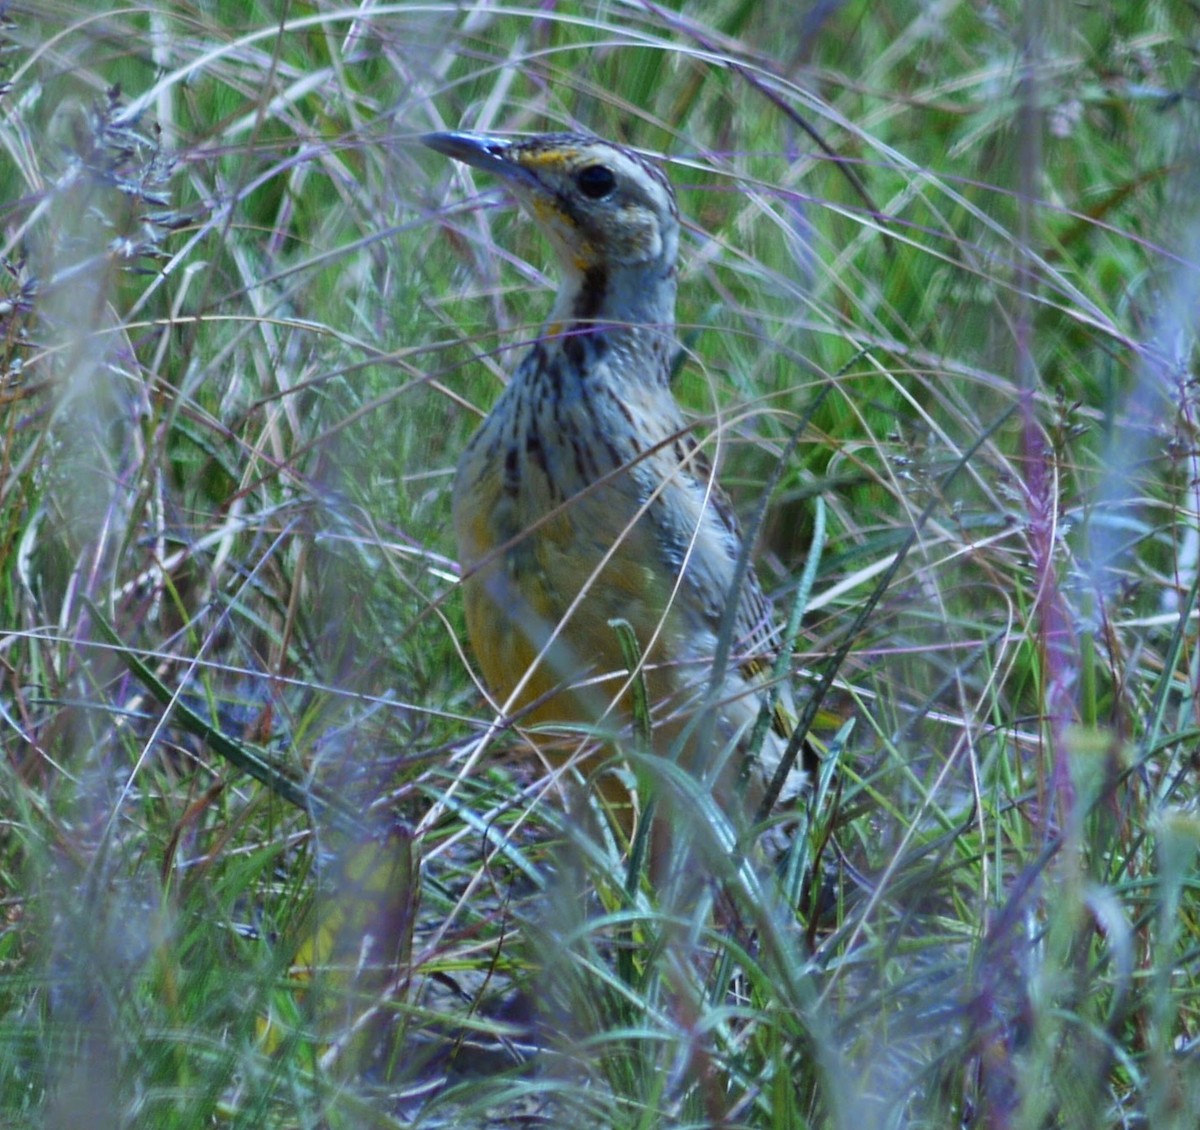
(481, 151)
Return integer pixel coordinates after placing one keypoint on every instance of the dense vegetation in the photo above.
(267, 857)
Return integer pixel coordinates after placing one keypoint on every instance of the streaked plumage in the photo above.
(583, 497)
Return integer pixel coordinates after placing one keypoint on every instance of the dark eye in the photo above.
(596, 181)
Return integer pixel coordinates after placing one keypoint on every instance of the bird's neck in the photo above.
(627, 307)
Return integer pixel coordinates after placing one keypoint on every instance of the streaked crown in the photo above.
(603, 207)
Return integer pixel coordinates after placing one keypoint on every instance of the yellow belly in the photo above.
(539, 605)
(544, 578)
(539, 618)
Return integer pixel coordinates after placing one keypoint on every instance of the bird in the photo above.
(584, 498)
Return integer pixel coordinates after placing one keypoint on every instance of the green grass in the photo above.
(246, 325)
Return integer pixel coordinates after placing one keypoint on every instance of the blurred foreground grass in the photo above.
(247, 325)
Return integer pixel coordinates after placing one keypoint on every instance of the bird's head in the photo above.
(603, 208)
